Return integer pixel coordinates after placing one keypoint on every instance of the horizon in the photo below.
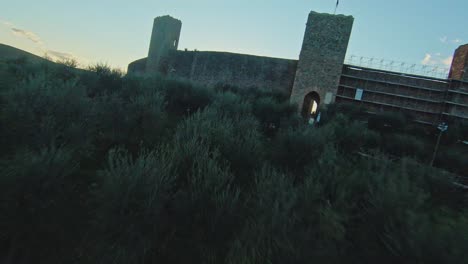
(119, 37)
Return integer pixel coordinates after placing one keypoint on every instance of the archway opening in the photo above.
(310, 105)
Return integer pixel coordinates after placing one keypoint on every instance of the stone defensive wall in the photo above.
(427, 99)
(318, 78)
(137, 67)
(210, 68)
(456, 103)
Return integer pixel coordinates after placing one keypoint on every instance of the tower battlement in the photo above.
(164, 38)
(459, 69)
(321, 59)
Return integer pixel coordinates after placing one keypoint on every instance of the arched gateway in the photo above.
(310, 105)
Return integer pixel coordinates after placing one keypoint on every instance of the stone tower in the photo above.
(321, 60)
(164, 38)
(459, 69)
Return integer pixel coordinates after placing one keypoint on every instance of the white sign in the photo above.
(358, 95)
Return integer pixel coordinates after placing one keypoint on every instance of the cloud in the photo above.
(6, 23)
(52, 54)
(446, 40)
(57, 55)
(65, 56)
(22, 32)
(447, 61)
(26, 34)
(436, 59)
(427, 59)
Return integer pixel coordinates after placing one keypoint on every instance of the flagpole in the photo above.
(336, 7)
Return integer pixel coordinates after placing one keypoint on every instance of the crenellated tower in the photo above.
(459, 69)
(164, 38)
(321, 61)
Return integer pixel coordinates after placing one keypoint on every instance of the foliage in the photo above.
(98, 167)
(388, 122)
(40, 201)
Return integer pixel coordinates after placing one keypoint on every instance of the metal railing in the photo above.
(436, 71)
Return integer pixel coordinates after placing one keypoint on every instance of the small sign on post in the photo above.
(442, 128)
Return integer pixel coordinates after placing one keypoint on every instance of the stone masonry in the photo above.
(322, 55)
(459, 70)
(164, 38)
(319, 75)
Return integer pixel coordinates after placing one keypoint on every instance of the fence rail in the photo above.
(437, 71)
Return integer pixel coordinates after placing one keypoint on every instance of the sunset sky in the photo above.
(118, 32)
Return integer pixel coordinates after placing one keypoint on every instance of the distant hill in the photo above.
(8, 53)
(11, 53)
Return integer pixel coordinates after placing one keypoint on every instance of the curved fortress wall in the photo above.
(244, 71)
(211, 68)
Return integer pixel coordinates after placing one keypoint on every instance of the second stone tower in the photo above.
(164, 38)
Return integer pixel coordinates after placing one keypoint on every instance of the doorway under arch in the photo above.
(310, 105)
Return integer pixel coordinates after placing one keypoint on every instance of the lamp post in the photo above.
(442, 128)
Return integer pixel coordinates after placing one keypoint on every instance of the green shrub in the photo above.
(293, 149)
(96, 167)
(351, 136)
(265, 237)
(453, 160)
(237, 139)
(184, 98)
(180, 198)
(231, 105)
(457, 131)
(354, 112)
(390, 122)
(40, 112)
(100, 80)
(272, 114)
(404, 145)
(40, 205)
(133, 219)
(206, 209)
(397, 220)
(136, 121)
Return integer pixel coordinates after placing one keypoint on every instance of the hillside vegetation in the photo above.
(97, 167)
(9, 53)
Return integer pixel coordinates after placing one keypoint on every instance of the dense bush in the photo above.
(399, 144)
(41, 111)
(40, 205)
(97, 167)
(184, 98)
(388, 122)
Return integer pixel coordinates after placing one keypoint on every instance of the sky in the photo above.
(118, 32)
